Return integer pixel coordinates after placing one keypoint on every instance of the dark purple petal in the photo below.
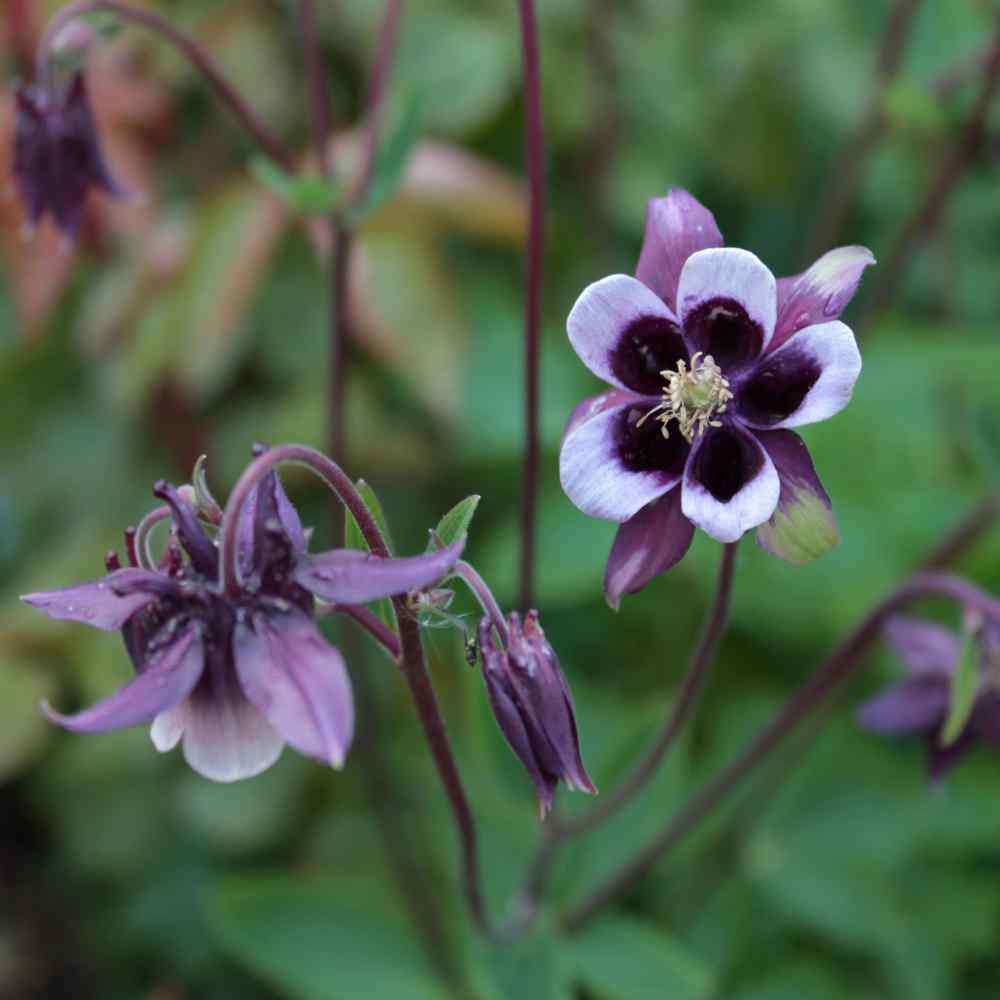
(911, 707)
(624, 334)
(821, 293)
(730, 483)
(299, 682)
(611, 467)
(927, 650)
(646, 545)
(726, 303)
(225, 737)
(171, 673)
(199, 547)
(676, 227)
(100, 603)
(348, 576)
(267, 502)
(594, 405)
(809, 379)
(803, 526)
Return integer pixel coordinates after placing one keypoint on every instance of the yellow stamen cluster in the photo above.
(692, 397)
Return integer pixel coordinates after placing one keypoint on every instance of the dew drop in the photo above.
(801, 321)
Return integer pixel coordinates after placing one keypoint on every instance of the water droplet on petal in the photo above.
(801, 321)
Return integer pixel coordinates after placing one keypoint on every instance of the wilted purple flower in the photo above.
(920, 705)
(57, 153)
(236, 676)
(533, 706)
(711, 361)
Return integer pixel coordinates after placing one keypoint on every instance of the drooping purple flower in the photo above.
(919, 705)
(533, 706)
(235, 676)
(711, 361)
(57, 153)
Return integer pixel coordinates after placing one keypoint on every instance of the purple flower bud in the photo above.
(533, 706)
(57, 154)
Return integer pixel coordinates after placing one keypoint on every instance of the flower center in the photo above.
(692, 397)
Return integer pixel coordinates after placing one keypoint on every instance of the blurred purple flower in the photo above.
(533, 706)
(235, 676)
(57, 154)
(711, 361)
(920, 704)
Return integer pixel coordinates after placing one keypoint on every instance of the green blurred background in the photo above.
(192, 319)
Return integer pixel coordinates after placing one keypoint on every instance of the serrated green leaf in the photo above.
(963, 690)
(305, 195)
(455, 524)
(353, 539)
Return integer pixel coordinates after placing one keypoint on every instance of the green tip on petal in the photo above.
(801, 530)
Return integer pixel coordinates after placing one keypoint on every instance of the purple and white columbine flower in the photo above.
(235, 676)
(57, 154)
(919, 706)
(711, 361)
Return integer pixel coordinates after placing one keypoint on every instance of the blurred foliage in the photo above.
(191, 318)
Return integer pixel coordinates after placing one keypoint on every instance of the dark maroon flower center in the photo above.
(651, 344)
(643, 448)
(722, 328)
(776, 387)
(725, 461)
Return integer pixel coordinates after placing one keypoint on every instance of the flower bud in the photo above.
(533, 706)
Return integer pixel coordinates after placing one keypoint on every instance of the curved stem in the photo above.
(484, 595)
(370, 622)
(534, 138)
(295, 454)
(837, 668)
(680, 712)
(201, 60)
(140, 544)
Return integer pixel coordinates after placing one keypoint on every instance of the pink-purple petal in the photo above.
(821, 293)
(349, 576)
(803, 526)
(927, 650)
(225, 737)
(676, 227)
(169, 677)
(97, 603)
(602, 474)
(299, 682)
(911, 707)
(807, 380)
(600, 323)
(726, 300)
(730, 483)
(647, 544)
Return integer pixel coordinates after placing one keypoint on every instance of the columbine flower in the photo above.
(533, 706)
(57, 154)
(919, 706)
(711, 361)
(236, 676)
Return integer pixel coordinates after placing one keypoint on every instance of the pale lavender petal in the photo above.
(168, 728)
(593, 405)
(646, 545)
(349, 576)
(624, 334)
(927, 650)
(803, 526)
(726, 301)
(171, 673)
(809, 379)
(911, 707)
(730, 483)
(97, 603)
(299, 682)
(821, 293)
(225, 737)
(610, 467)
(676, 227)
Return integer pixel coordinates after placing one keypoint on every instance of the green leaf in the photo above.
(963, 689)
(353, 539)
(312, 945)
(455, 524)
(620, 958)
(305, 195)
(390, 160)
